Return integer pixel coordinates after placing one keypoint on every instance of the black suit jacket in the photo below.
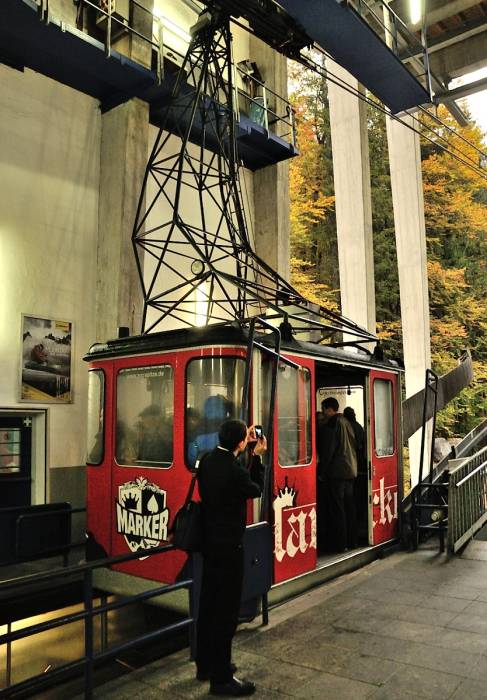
(224, 487)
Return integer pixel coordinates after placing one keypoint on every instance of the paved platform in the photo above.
(413, 625)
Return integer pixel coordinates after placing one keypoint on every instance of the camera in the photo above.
(259, 433)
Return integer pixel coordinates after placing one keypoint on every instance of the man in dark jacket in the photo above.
(338, 469)
(224, 485)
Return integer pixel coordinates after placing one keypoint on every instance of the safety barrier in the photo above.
(467, 498)
(87, 614)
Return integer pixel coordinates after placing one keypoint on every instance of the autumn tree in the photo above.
(455, 199)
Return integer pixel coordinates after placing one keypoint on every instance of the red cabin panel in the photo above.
(384, 458)
(98, 483)
(144, 499)
(294, 478)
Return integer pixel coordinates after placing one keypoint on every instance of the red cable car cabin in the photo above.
(156, 401)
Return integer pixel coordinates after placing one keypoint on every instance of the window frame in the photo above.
(141, 464)
(393, 413)
(302, 368)
(188, 363)
(100, 371)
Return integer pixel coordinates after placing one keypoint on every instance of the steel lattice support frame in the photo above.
(186, 256)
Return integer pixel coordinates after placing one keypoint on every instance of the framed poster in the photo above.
(46, 360)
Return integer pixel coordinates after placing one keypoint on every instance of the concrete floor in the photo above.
(410, 626)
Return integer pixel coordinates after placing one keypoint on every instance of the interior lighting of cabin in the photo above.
(415, 11)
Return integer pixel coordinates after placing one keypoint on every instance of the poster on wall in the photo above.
(46, 360)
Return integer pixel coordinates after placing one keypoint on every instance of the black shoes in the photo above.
(234, 688)
(205, 675)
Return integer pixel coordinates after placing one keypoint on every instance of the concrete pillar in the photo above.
(124, 149)
(123, 159)
(351, 174)
(271, 184)
(407, 196)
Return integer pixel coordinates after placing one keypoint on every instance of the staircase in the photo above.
(429, 502)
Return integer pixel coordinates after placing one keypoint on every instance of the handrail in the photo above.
(90, 657)
(467, 478)
(288, 118)
(112, 18)
(467, 499)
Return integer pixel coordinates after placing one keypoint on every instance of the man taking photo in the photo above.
(225, 485)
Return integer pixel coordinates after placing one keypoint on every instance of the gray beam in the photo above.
(463, 91)
(464, 57)
(448, 9)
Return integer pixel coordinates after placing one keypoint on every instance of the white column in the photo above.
(407, 196)
(124, 148)
(351, 174)
(271, 184)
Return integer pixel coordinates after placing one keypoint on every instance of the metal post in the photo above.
(8, 669)
(265, 609)
(426, 60)
(88, 607)
(433, 429)
(108, 42)
(160, 52)
(104, 623)
(266, 116)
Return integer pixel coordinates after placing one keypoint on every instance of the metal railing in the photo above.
(34, 530)
(403, 42)
(467, 499)
(87, 615)
(124, 23)
(256, 101)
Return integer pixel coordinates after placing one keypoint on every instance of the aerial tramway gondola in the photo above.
(156, 400)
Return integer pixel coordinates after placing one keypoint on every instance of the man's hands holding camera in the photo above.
(259, 440)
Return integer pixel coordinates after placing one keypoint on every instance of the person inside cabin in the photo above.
(153, 445)
(216, 409)
(338, 471)
(126, 443)
(224, 486)
(361, 483)
(349, 414)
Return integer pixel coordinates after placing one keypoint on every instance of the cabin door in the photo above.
(384, 459)
(294, 485)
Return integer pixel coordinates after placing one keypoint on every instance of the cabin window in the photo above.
(95, 431)
(294, 424)
(145, 413)
(214, 390)
(383, 418)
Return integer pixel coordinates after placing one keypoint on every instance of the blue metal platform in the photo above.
(74, 58)
(339, 30)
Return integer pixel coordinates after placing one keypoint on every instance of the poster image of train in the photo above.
(46, 360)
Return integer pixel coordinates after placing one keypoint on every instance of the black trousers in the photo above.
(343, 517)
(221, 590)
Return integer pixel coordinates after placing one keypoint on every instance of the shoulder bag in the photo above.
(187, 528)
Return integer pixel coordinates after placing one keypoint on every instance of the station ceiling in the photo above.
(456, 34)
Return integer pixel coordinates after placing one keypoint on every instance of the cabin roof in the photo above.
(227, 334)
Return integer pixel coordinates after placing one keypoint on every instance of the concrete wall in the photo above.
(49, 183)
(69, 180)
